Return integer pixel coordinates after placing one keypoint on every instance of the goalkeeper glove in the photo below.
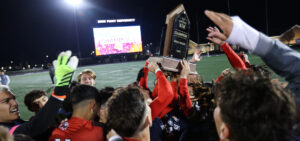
(64, 69)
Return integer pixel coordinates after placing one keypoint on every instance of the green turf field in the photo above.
(115, 75)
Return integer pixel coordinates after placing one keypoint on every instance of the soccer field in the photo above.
(115, 75)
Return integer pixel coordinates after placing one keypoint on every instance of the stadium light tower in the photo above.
(76, 4)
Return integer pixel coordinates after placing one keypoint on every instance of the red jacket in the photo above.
(163, 95)
(185, 102)
(164, 100)
(77, 129)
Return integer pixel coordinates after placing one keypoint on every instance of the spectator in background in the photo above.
(51, 72)
(35, 100)
(87, 77)
(4, 78)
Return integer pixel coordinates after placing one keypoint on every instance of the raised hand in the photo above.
(236, 31)
(197, 56)
(215, 36)
(185, 69)
(64, 68)
(221, 20)
(153, 66)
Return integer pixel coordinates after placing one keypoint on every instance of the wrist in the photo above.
(61, 90)
(222, 43)
(156, 70)
(183, 76)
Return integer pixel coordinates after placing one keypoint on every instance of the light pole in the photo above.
(75, 4)
(77, 33)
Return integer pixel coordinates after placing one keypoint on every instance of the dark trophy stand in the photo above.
(176, 41)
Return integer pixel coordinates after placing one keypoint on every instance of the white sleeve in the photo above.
(243, 34)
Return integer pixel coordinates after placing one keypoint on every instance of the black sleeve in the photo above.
(42, 120)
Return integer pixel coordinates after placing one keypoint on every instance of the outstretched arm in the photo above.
(278, 56)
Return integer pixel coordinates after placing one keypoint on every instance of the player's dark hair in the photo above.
(83, 92)
(256, 109)
(30, 97)
(125, 111)
(105, 94)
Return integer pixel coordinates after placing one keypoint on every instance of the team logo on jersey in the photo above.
(63, 126)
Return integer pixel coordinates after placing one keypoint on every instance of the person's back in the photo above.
(78, 129)
(85, 102)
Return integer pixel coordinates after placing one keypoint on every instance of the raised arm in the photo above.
(143, 80)
(185, 102)
(164, 91)
(64, 70)
(235, 61)
(278, 56)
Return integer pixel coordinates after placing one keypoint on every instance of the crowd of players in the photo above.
(244, 104)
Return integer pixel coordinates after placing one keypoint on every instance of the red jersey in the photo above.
(165, 95)
(77, 129)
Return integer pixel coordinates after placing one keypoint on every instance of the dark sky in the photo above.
(32, 29)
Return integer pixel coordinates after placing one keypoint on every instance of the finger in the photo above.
(221, 20)
(217, 35)
(209, 30)
(181, 64)
(216, 29)
(73, 63)
(54, 64)
(59, 57)
(209, 38)
(66, 57)
(184, 62)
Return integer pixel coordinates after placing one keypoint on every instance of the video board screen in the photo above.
(116, 40)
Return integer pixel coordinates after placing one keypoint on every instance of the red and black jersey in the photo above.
(78, 129)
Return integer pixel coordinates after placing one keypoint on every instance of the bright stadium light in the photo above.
(74, 2)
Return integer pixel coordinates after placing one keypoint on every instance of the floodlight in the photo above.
(74, 2)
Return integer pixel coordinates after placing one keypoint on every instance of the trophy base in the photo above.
(172, 64)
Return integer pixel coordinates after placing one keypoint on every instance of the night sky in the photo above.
(32, 29)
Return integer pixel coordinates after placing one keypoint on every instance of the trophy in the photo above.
(175, 41)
